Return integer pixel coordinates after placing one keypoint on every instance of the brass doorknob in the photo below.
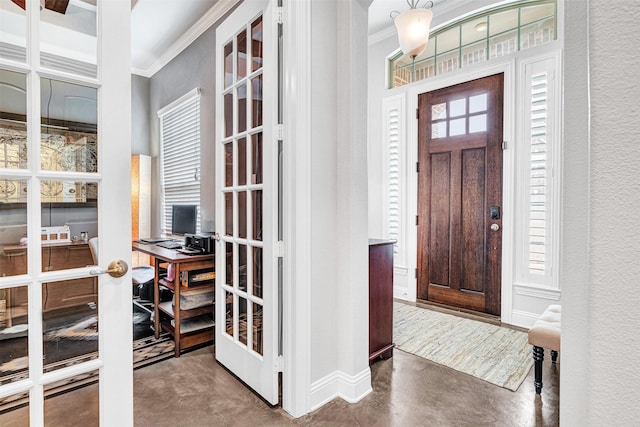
(116, 268)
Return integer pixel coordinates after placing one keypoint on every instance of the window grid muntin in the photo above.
(248, 132)
(447, 117)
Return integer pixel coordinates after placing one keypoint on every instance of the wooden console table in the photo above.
(181, 263)
(380, 299)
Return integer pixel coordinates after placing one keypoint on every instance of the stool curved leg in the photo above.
(538, 357)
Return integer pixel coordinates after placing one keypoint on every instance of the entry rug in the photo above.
(492, 353)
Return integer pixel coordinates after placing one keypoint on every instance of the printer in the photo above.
(202, 242)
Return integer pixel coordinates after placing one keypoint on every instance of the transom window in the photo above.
(478, 38)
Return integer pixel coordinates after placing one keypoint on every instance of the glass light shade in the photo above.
(413, 30)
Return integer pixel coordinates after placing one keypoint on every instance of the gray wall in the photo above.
(140, 115)
(194, 67)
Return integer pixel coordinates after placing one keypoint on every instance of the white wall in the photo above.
(574, 273)
(339, 266)
(602, 308)
(325, 198)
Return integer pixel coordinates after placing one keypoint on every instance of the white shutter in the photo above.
(180, 156)
(393, 123)
(393, 175)
(539, 158)
(538, 174)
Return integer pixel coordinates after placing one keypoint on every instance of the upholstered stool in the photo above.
(545, 333)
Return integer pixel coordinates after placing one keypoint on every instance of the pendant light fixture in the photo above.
(413, 27)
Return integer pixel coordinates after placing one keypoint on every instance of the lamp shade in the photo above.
(413, 30)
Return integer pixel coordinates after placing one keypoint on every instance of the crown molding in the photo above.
(383, 34)
(216, 12)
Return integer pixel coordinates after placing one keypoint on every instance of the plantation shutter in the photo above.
(539, 159)
(393, 175)
(393, 134)
(180, 156)
(538, 174)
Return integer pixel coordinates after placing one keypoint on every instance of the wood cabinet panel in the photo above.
(380, 298)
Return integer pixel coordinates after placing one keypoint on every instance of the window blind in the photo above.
(180, 156)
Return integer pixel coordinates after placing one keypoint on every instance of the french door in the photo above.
(246, 278)
(65, 327)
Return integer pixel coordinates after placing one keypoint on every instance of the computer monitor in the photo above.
(184, 219)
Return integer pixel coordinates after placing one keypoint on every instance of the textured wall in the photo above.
(614, 372)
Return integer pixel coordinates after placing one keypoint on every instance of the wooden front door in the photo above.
(460, 195)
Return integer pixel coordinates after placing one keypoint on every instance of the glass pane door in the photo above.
(245, 303)
(57, 106)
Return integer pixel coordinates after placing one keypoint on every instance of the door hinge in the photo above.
(417, 219)
(278, 249)
(416, 273)
(417, 167)
(417, 113)
(278, 132)
(504, 145)
(278, 364)
(278, 13)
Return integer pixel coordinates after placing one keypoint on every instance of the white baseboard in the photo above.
(401, 293)
(338, 384)
(523, 319)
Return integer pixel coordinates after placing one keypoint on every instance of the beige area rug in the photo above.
(494, 354)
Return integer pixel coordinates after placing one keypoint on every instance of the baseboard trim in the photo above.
(338, 384)
(523, 319)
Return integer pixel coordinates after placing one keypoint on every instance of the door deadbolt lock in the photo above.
(494, 212)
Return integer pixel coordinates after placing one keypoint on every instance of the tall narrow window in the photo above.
(180, 156)
(538, 174)
(393, 116)
(539, 162)
(393, 175)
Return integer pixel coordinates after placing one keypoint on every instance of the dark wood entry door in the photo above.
(460, 195)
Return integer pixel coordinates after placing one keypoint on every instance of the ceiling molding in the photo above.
(203, 24)
(383, 34)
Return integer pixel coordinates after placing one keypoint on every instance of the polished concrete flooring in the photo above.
(194, 390)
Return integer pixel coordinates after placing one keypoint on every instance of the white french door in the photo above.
(65, 141)
(246, 264)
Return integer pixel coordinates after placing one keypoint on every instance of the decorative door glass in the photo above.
(243, 186)
(49, 210)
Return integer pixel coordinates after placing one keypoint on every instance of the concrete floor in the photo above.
(194, 390)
